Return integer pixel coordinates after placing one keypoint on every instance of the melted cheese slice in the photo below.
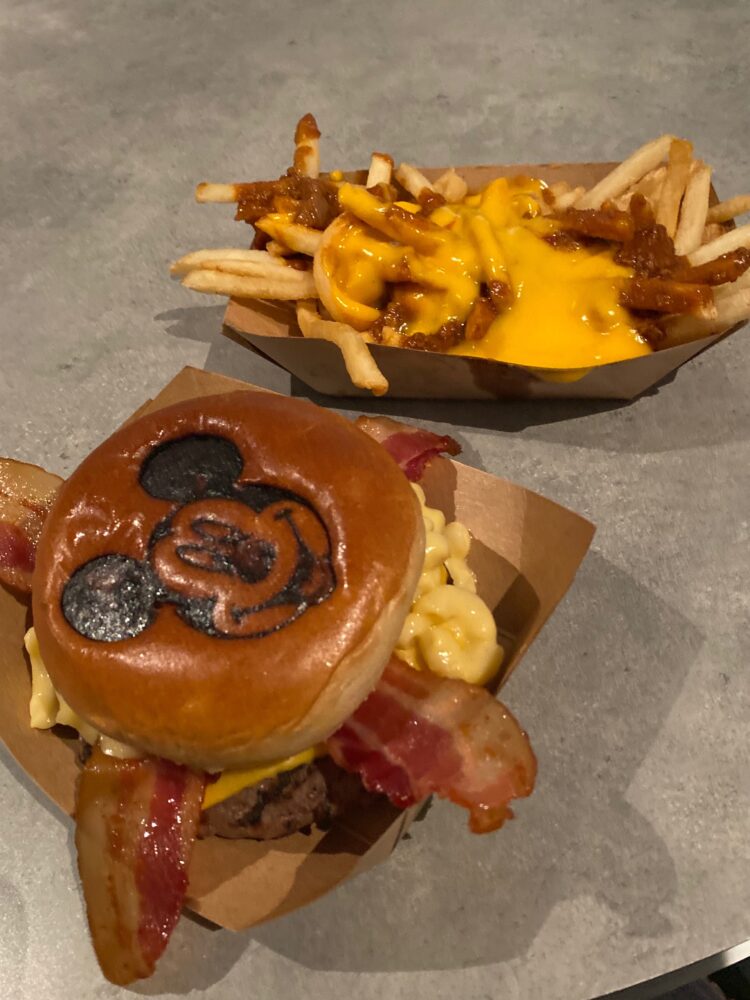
(231, 782)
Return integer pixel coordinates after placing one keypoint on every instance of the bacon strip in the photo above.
(418, 734)
(411, 447)
(26, 494)
(136, 821)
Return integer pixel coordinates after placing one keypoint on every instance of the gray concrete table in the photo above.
(632, 857)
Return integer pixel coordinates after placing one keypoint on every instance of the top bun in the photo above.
(222, 582)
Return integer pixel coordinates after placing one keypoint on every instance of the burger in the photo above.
(217, 594)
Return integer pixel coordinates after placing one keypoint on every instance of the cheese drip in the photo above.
(47, 708)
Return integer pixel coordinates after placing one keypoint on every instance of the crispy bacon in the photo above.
(26, 494)
(136, 821)
(411, 447)
(418, 734)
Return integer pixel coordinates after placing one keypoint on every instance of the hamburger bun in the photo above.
(222, 582)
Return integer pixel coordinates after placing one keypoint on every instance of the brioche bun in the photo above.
(222, 582)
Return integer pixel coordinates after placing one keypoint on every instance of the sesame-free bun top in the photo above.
(222, 582)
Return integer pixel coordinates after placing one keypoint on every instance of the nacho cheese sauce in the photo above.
(449, 630)
(563, 313)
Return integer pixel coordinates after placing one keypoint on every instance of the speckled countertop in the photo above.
(632, 857)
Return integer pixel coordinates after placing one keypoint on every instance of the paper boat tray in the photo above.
(272, 330)
(525, 553)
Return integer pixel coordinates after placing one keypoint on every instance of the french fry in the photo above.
(729, 289)
(731, 240)
(568, 198)
(278, 249)
(650, 186)
(392, 221)
(334, 305)
(216, 194)
(694, 210)
(712, 231)
(381, 169)
(675, 182)
(299, 285)
(451, 186)
(359, 362)
(300, 239)
(412, 179)
(338, 303)
(273, 268)
(559, 188)
(627, 173)
(731, 309)
(203, 258)
(307, 147)
(490, 252)
(729, 209)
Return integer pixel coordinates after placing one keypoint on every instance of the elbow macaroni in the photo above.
(449, 630)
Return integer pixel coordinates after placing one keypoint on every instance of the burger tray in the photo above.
(271, 329)
(525, 553)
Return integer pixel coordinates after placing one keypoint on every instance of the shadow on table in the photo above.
(448, 900)
(194, 960)
(662, 427)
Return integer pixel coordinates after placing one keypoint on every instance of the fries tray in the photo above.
(271, 329)
(526, 552)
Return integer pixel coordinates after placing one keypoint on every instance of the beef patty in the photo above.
(314, 793)
(276, 807)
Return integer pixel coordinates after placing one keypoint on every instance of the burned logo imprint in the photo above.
(236, 560)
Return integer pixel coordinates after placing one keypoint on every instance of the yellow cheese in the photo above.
(231, 782)
(564, 314)
(46, 707)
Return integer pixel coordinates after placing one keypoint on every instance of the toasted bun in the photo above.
(222, 582)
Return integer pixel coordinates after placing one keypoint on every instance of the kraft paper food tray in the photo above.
(272, 330)
(525, 553)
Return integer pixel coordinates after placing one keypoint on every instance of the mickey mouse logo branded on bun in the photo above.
(237, 560)
(222, 584)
